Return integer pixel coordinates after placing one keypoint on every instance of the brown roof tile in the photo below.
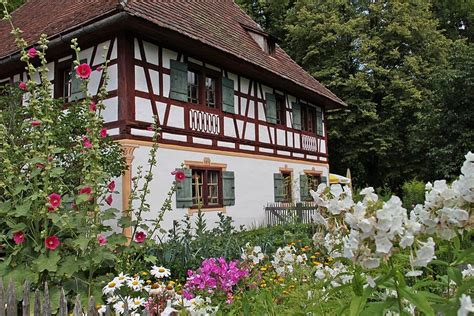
(218, 23)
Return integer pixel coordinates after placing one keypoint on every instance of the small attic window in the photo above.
(265, 41)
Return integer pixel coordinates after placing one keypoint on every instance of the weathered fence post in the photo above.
(2, 299)
(77, 307)
(46, 304)
(11, 300)
(299, 212)
(91, 311)
(37, 307)
(25, 306)
(62, 304)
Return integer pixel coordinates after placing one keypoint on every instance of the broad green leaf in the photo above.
(82, 242)
(47, 262)
(416, 299)
(378, 308)
(68, 266)
(357, 304)
(455, 274)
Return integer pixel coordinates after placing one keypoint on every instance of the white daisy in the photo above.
(122, 278)
(135, 284)
(111, 287)
(137, 302)
(160, 272)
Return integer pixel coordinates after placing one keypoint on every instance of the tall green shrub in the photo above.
(413, 193)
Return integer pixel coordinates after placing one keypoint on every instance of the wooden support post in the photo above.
(128, 150)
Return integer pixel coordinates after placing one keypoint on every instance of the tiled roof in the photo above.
(218, 23)
(50, 17)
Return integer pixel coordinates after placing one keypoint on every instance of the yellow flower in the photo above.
(263, 269)
(144, 273)
(313, 257)
(285, 293)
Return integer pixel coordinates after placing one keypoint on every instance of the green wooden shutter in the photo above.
(76, 85)
(184, 193)
(304, 190)
(278, 181)
(228, 95)
(319, 122)
(296, 115)
(271, 108)
(228, 188)
(179, 81)
(324, 180)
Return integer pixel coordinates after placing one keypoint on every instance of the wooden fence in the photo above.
(286, 213)
(9, 306)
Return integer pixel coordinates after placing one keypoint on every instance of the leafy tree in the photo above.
(12, 5)
(378, 57)
(447, 131)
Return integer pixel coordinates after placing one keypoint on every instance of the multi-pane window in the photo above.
(66, 83)
(211, 92)
(193, 87)
(280, 110)
(313, 181)
(311, 120)
(206, 188)
(287, 186)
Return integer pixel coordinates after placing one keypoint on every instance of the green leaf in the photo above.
(357, 304)
(18, 189)
(455, 275)
(47, 262)
(81, 242)
(378, 308)
(150, 258)
(110, 213)
(416, 299)
(23, 209)
(68, 266)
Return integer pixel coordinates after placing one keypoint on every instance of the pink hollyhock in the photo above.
(109, 200)
(54, 200)
(86, 142)
(150, 128)
(19, 237)
(32, 52)
(39, 166)
(51, 242)
(35, 123)
(51, 209)
(23, 86)
(111, 186)
(179, 175)
(99, 68)
(92, 106)
(140, 237)
(83, 71)
(103, 132)
(101, 240)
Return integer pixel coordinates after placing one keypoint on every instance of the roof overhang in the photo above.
(117, 21)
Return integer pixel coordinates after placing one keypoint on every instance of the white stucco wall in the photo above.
(254, 186)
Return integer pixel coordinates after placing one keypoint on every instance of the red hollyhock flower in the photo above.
(35, 123)
(103, 132)
(52, 242)
(111, 186)
(32, 52)
(92, 106)
(109, 200)
(179, 175)
(150, 128)
(101, 240)
(85, 190)
(19, 237)
(140, 237)
(54, 200)
(83, 71)
(39, 166)
(23, 86)
(99, 68)
(86, 142)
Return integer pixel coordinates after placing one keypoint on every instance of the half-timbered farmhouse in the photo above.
(244, 119)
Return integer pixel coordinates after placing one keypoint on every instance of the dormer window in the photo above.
(264, 40)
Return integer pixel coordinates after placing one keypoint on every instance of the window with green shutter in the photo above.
(319, 122)
(179, 81)
(184, 198)
(206, 188)
(228, 95)
(296, 108)
(271, 108)
(304, 190)
(283, 187)
(228, 188)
